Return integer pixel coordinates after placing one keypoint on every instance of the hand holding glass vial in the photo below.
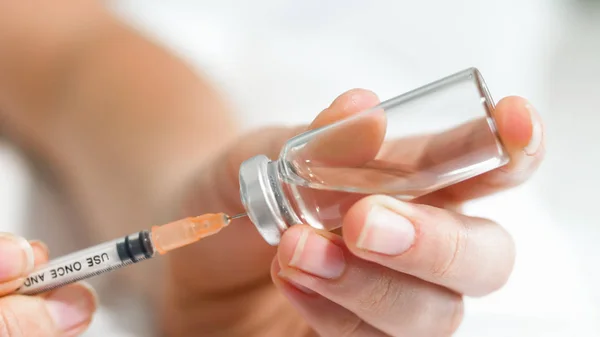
(409, 146)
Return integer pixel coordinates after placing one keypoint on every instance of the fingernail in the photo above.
(39, 246)
(386, 232)
(72, 306)
(300, 287)
(40, 251)
(318, 256)
(17, 257)
(536, 132)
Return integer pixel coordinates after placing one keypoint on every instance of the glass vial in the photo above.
(406, 147)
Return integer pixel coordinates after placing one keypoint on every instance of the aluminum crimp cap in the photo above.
(263, 198)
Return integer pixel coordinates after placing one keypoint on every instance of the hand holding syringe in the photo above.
(121, 252)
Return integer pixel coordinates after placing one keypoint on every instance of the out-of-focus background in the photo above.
(282, 61)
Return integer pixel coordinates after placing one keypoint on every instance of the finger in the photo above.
(395, 303)
(327, 156)
(363, 134)
(16, 261)
(40, 252)
(412, 165)
(522, 133)
(63, 312)
(472, 256)
(327, 318)
(346, 105)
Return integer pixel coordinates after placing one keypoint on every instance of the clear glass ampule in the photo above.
(406, 147)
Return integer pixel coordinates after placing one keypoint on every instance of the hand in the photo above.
(398, 269)
(63, 312)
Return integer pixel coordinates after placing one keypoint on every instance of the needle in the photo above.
(237, 216)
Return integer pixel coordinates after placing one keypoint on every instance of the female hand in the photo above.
(399, 268)
(63, 312)
(149, 125)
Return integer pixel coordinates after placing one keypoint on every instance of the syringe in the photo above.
(121, 252)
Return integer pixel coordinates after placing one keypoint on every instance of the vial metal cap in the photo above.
(263, 198)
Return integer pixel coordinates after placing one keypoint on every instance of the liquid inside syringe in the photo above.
(121, 252)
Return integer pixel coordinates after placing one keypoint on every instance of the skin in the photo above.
(128, 131)
(38, 315)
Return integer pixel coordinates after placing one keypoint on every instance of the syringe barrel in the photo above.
(88, 262)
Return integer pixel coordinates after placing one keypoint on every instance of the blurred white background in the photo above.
(282, 61)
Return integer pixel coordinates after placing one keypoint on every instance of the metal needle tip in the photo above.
(237, 216)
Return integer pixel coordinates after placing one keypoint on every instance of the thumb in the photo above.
(63, 312)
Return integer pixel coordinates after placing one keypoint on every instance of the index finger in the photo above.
(521, 130)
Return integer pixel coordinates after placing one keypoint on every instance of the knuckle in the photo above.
(383, 294)
(443, 319)
(447, 264)
(435, 312)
